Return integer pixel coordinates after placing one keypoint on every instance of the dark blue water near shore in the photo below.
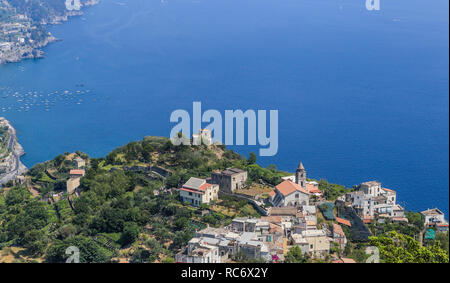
(361, 95)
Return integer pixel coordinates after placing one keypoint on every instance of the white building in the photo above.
(197, 191)
(435, 218)
(314, 242)
(199, 251)
(79, 162)
(371, 199)
(288, 193)
(218, 245)
(204, 136)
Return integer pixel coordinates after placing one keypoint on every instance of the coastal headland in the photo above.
(10, 153)
(23, 28)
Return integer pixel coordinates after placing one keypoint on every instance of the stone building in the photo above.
(230, 179)
(79, 162)
(300, 176)
(203, 137)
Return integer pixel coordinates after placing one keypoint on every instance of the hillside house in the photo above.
(197, 191)
(435, 218)
(230, 179)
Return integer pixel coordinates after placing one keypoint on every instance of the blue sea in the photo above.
(362, 95)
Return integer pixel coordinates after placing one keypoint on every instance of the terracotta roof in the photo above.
(76, 172)
(204, 186)
(272, 219)
(344, 260)
(275, 228)
(288, 187)
(312, 188)
(338, 229)
(194, 183)
(272, 193)
(389, 190)
(343, 221)
(367, 220)
(433, 211)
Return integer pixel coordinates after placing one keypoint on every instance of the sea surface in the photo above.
(362, 95)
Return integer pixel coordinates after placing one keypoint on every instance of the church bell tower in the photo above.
(300, 175)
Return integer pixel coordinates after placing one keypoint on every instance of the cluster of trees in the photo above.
(412, 228)
(331, 191)
(398, 248)
(24, 220)
(108, 205)
(295, 255)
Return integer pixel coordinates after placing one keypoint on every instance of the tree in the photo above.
(252, 158)
(416, 219)
(130, 233)
(295, 255)
(168, 260)
(399, 248)
(90, 251)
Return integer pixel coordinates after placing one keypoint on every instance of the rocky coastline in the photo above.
(10, 165)
(33, 49)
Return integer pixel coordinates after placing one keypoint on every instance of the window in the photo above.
(297, 195)
(190, 193)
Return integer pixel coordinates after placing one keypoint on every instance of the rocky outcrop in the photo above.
(10, 165)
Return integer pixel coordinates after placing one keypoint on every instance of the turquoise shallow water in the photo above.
(361, 95)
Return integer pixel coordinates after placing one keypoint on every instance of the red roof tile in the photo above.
(312, 189)
(337, 229)
(204, 186)
(288, 187)
(344, 260)
(343, 221)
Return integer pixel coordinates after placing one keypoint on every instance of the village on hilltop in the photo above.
(295, 213)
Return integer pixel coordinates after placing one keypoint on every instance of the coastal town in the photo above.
(23, 30)
(234, 216)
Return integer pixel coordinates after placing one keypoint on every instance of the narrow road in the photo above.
(19, 168)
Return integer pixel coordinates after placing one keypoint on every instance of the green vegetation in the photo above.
(295, 255)
(332, 191)
(412, 228)
(118, 215)
(397, 248)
